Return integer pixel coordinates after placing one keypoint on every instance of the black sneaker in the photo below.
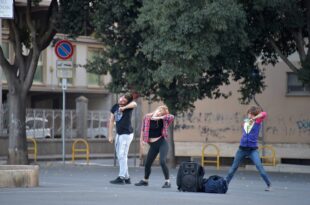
(142, 183)
(166, 185)
(127, 181)
(118, 180)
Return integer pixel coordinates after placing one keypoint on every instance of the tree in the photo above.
(33, 30)
(279, 28)
(199, 46)
(30, 32)
(181, 51)
(175, 51)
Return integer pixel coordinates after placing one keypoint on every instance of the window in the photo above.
(295, 86)
(38, 76)
(92, 78)
(5, 48)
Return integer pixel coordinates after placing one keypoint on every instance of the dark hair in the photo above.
(128, 97)
(254, 110)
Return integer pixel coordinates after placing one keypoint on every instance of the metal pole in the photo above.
(114, 159)
(64, 86)
(135, 139)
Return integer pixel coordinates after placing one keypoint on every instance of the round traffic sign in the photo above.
(64, 49)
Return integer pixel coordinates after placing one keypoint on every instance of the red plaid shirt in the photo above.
(145, 128)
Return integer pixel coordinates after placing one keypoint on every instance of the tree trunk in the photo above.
(17, 150)
(171, 153)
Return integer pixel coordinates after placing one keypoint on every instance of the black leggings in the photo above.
(161, 147)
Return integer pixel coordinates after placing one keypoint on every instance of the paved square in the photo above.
(89, 185)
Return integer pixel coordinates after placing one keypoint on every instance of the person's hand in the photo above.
(111, 140)
(122, 108)
(157, 118)
(142, 143)
(252, 120)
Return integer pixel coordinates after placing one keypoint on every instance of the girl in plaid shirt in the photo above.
(154, 131)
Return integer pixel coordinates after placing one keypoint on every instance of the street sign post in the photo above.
(64, 69)
(6, 9)
(64, 51)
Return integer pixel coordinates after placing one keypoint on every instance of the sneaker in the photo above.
(142, 183)
(166, 185)
(127, 181)
(118, 180)
(268, 188)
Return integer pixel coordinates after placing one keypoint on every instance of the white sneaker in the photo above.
(268, 188)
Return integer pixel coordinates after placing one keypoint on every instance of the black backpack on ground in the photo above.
(190, 176)
(215, 184)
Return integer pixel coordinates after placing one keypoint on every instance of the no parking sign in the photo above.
(64, 49)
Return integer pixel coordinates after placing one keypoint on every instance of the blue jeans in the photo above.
(254, 156)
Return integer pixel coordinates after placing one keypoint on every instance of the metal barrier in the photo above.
(216, 155)
(271, 157)
(80, 150)
(46, 123)
(34, 148)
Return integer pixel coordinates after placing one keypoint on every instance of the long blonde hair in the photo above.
(163, 108)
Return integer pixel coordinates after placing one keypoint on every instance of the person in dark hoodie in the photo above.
(248, 144)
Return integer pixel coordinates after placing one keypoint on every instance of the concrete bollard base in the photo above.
(19, 176)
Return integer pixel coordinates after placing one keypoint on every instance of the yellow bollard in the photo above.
(216, 155)
(34, 148)
(271, 157)
(80, 150)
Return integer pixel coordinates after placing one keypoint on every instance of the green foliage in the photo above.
(115, 26)
(75, 17)
(181, 51)
(175, 51)
(281, 21)
(198, 45)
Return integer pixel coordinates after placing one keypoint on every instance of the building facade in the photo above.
(46, 91)
(285, 99)
(287, 128)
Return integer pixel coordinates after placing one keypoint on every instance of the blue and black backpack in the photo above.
(215, 184)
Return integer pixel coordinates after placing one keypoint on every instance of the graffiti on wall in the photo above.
(209, 124)
(303, 124)
(223, 125)
(291, 126)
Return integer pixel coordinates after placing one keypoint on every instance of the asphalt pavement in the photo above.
(80, 184)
